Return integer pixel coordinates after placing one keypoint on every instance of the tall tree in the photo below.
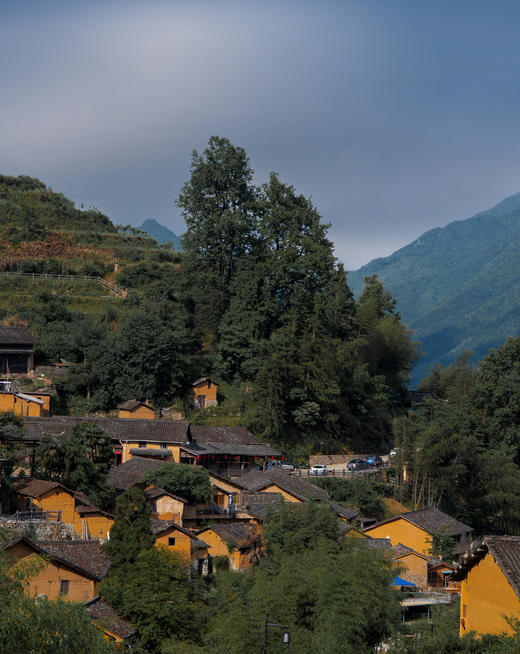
(387, 344)
(219, 207)
(158, 596)
(301, 260)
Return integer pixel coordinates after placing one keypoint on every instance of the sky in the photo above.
(395, 116)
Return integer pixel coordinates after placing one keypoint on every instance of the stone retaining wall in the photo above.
(44, 529)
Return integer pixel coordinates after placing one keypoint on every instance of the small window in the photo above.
(64, 587)
(142, 443)
(171, 542)
(463, 610)
(164, 446)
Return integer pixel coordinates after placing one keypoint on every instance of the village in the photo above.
(45, 518)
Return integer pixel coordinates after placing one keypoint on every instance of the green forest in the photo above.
(457, 286)
(256, 300)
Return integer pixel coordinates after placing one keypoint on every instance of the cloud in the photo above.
(393, 116)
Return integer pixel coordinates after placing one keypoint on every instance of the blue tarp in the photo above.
(401, 582)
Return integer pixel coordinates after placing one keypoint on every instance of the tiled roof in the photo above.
(132, 405)
(257, 504)
(223, 478)
(83, 509)
(402, 550)
(9, 537)
(233, 434)
(131, 472)
(84, 505)
(37, 487)
(156, 491)
(16, 335)
(201, 380)
(236, 534)
(106, 618)
(233, 440)
(378, 543)
(435, 520)
(82, 499)
(198, 440)
(343, 511)
(119, 429)
(30, 432)
(506, 552)
(430, 520)
(258, 479)
(158, 526)
(85, 555)
(345, 529)
(197, 544)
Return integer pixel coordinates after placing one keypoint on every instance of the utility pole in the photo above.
(286, 638)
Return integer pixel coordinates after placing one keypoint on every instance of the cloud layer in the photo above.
(395, 118)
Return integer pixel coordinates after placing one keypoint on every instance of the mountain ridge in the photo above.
(457, 286)
(161, 233)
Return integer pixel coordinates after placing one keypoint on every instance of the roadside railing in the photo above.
(343, 472)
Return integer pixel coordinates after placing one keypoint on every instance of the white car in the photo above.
(318, 469)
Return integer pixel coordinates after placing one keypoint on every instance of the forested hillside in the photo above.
(256, 300)
(457, 286)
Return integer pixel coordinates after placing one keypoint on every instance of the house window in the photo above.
(164, 446)
(171, 541)
(64, 587)
(142, 443)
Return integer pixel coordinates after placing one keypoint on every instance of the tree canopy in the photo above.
(80, 461)
(463, 454)
(44, 626)
(191, 483)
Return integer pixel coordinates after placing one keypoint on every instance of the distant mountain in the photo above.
(458, 286)
(161, 233)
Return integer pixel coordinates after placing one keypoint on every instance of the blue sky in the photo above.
(395, 116)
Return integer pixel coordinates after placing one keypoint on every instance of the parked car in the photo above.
(286, 465)
(358, 464)
(273, 464)
(318, 469)
(374, 460)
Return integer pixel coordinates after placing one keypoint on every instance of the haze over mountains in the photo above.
(458, 286)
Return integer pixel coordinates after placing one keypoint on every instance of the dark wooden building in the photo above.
(16, 350)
